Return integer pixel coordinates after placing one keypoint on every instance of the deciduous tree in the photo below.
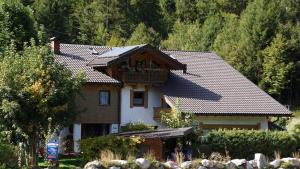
(34, 88)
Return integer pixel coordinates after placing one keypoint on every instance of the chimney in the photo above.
(55, 45)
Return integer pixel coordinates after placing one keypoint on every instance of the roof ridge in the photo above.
(83, 45)
(177, 50)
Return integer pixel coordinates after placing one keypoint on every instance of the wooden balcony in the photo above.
(157, 112)
(144, 77)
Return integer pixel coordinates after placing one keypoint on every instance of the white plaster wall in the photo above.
(77, 136)
(62, 135)
(135, 114)
(235, 120)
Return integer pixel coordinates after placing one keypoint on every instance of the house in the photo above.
(134, 83)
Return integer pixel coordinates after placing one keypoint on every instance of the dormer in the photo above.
(136, 64)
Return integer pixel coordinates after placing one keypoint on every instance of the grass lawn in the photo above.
(65, 162)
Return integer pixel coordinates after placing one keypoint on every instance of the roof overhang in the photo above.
(160, 133)
(253, 114)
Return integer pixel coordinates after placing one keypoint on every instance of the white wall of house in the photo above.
(77, 136)
(235, 120)
(139, 113)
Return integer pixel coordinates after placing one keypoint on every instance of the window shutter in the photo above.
(146, 98)
(131, 98)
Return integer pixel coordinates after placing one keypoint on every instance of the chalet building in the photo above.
(134, 83)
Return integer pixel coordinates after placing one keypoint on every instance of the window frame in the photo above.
(108, 102)
(143, 103)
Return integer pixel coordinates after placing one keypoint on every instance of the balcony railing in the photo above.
(157, 112)
(144, 77)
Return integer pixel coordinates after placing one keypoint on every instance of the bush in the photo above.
(137, 126)
(8, 156)
(93, 147)
(244, 143)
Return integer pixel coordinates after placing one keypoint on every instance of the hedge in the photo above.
(244, 143)
(137, 126)
(92, 147)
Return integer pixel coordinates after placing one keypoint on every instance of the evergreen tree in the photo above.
(16, 24)
(54, 15)
(144, 35)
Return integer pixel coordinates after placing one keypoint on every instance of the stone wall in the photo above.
(259, 162)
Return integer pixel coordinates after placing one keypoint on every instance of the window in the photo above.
(104, 98)
(138, 98)
(140, 65)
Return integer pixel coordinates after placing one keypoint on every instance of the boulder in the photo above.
(239, 162)
(261, 161)
(253, 163)
(218, 164)
(249, 165)
(230, 165)
(142, 163)
(96, 164)
(293, 161)
(114, 167)
(276, 163)
(171, 164)
(186, 164)
(202, 167)
(118, 163)
(207, 163)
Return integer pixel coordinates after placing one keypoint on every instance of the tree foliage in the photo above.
(177, 119)
(34, 88)
(16, 24)
(144, 35)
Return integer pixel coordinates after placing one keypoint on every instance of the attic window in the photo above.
(93, 51)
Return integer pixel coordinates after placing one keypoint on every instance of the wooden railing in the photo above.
(144, 77)
(157, 112)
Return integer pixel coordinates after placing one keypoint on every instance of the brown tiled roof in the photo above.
(213, 87)
(76, 58)
(209, 87)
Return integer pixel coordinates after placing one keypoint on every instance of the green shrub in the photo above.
(137, 126)
(244, 143)
(8, 156)
(92, 147)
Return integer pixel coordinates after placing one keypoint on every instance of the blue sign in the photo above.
(52, 151)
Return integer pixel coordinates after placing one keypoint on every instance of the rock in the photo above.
(249, 165)
(114, 167)
(202, 167)
(93, 165)
(142, 163)
(276, 163)
(186, 164)
(218, 164)
(261, 160)
(118, 163)
(230, 165)
(207, 163)
(239, 162)
(253, 163)
(171, 164)
(293, 161)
